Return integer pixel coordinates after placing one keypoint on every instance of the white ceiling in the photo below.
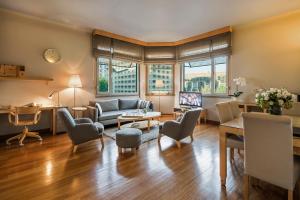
(152, 20)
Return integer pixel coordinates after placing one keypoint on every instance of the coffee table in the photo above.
(146, 121)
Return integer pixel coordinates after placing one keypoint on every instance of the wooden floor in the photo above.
(50, 171)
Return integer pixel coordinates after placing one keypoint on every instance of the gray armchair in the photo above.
(182, 128)
(81, 130)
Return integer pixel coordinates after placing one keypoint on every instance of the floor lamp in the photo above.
(159, 84)
(75, 82)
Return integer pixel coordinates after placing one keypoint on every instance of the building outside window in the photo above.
(117, 77)
(208, 76)
(163, 72)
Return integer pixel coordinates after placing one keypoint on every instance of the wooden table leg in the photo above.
(54, 112)
(223, 156)
(119, 124)
(148, 124)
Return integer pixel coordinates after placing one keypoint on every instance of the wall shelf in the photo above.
(26, 79)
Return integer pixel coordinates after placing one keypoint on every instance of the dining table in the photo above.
(235, 126)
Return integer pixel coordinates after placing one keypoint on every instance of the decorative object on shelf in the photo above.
(159, 84)
(75, 82)
(240, 81)
(274, 99)
(52, 55)
(7, 70)
(52, 93)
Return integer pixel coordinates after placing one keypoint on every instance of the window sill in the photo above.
(225, 96)
(116, 95)
(151, 94)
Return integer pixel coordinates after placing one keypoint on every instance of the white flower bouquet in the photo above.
(274, 99)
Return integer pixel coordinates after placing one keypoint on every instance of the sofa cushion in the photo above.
(108, 105)
(143, 104)
(110, 115)
(128, 104)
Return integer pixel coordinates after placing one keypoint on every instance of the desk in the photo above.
(236, 127)
(51, 108)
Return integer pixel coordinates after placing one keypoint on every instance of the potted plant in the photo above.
(274, 99)
(240, 81)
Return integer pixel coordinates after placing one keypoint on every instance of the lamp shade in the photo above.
(159, 84)
(75, 81)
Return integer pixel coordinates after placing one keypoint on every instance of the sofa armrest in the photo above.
(92, 113)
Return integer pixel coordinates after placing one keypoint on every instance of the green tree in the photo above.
(103, 85)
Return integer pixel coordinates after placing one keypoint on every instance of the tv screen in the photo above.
(190, 99)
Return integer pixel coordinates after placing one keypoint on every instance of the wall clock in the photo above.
(52, 55)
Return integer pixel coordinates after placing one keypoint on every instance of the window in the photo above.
(117, 77)
(208, 76)
(160, 79)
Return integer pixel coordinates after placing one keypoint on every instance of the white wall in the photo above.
(22, 42)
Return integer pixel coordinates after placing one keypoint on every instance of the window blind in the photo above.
(159, 54)
(108, 47)
(126, 50)
(199, 49)
(205, 48)
(101, 46)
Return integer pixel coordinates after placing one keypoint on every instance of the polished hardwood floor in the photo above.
(50, 171)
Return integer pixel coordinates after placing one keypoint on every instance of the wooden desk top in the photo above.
(6, 111)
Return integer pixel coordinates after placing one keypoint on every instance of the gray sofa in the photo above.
(107, 111)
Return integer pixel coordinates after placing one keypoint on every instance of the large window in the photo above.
(117, 77)
(160, 79)
(208, 76)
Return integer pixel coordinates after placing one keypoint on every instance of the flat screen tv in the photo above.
(192, 99)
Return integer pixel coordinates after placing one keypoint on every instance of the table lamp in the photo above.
(52, 93)
(75, 82)
(159, 84)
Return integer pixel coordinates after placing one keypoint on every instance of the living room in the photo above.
(76, 54)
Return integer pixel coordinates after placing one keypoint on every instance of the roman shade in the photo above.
(205, 48)
(126, 50)
(101, 46)
(108, 47)
(199, 49)
(159, 54)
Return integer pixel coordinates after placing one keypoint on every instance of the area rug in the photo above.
(146, 136)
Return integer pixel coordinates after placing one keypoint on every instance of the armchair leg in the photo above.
(119, 150)
(231, 153)
(290, 195)
(159, 137)
(178, 144)
(102, 142)
(192, 138)
(75, 148)
(246, 187)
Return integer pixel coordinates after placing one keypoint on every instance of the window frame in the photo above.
(172, 93)
(110, 79)
(212, 84)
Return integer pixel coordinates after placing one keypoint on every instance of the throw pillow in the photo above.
(143, 104)
(97, 105)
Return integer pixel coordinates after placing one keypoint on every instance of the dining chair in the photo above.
(269, 154)
(24, 116)
(228, 111)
